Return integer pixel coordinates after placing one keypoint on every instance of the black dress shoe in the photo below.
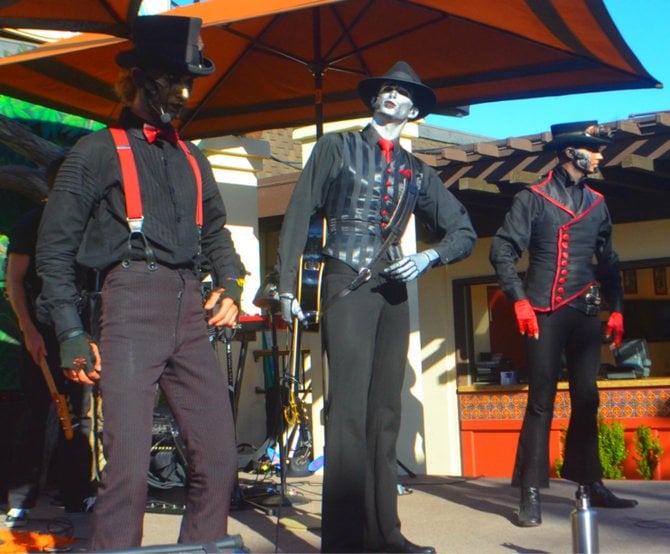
(407, 546)
(601, 497)
(530, 512)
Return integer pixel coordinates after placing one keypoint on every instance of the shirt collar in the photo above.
(564, 178)
(371, 136)
(133, 123)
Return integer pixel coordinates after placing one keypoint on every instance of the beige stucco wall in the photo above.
(633, 241)
(429, 441)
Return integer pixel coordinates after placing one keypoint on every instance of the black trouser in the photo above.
(72, 459)
(153, 332)
(576, 335)
(366, 339)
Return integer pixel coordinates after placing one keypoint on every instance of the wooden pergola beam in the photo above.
(478, 185)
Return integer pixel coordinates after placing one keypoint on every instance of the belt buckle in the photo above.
(363, 276)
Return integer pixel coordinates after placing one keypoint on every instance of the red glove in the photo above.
(526, 318)
(614, 328)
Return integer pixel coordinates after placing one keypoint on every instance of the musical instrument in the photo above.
(311, 269)
(309, 297)
(59, 400)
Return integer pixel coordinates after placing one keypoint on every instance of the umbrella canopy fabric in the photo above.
(284, 63)
(113, 17)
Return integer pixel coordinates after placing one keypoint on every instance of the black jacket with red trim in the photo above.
(568, 238)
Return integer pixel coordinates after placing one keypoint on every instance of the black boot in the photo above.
(404, 546)
(530, 512)
(601, 497)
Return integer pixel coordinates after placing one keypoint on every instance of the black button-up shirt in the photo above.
(436, 207)
(85, 217)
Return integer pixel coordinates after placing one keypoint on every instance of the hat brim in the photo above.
(578, 140)
(133, 58)
(423, 97)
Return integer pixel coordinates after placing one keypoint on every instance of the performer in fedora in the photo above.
(367, 186)
(564, 225)
(153, 326)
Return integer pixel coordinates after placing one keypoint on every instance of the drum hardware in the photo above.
(167, 477)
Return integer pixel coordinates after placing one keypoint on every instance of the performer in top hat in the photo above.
(153, 326)
(563, 224)
(367, 186)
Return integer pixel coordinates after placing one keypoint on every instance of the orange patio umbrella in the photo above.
(284, 63)
(112, 17)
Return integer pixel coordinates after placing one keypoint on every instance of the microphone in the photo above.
(165, 117)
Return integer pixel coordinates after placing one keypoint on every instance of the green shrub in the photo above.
(612, 448)
(648, 450)
(558, 462)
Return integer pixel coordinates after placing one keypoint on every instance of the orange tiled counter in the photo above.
(491, 417)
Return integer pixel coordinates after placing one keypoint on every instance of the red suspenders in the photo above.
(131, 189)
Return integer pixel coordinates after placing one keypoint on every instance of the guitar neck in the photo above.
(311, 269)
(59, 400)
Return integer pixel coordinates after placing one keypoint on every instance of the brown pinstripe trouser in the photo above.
(153, 332)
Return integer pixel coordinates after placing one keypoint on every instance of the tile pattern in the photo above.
(614, 403)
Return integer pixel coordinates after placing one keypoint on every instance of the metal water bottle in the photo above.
(584, 524)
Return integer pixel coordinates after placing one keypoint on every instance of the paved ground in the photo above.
(454, 514)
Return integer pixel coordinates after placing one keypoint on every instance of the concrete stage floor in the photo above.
(454, 514)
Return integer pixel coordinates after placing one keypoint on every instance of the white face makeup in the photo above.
(588, 160)
(394, 102)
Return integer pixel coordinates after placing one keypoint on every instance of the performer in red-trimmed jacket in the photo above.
(565, 226)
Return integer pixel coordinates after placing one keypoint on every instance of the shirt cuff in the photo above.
(232, 288)
(65, 319)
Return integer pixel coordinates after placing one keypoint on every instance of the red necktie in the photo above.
(152, 133)
(386, 145)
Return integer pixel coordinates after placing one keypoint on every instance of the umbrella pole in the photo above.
(318, 72)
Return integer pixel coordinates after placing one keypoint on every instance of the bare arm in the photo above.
(17, 266)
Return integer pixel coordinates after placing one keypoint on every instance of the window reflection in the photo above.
(492, 344)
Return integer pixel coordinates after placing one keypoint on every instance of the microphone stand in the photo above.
(271, 499)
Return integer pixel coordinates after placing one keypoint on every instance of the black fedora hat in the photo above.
(167, 42)
(401, 73)
(579, 134)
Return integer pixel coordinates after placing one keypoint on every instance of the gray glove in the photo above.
(76, 352)
(290, 308)
(410, 267)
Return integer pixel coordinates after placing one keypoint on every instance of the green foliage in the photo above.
(58, 127)
(558, 462)
(648, 450)
(612, 448)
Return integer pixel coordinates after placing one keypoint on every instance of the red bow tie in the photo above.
(386, 146)
(152, 133)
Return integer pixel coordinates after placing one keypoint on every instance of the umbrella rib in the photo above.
(346, 33)
(61, 72)
(119, 25)
(258, 44)
(131, 13)
(508, 74)
(219, 83)
(115, 15)
(405, 31)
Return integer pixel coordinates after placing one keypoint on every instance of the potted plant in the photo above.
(648, 451)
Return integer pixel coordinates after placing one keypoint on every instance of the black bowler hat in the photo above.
(403, 75)
(167, 42)
(580, 134)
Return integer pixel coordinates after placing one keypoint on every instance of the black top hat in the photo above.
(580, 134)
(167, 42)
(401, 73)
